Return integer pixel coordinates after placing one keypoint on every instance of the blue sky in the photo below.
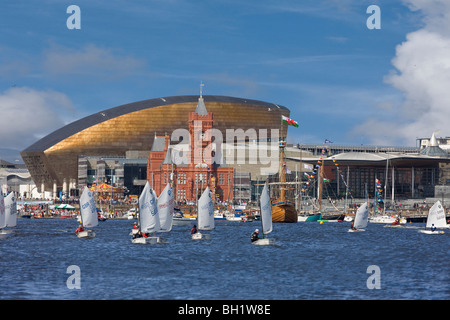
(341, 81)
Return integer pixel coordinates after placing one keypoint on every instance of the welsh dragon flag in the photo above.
(290, 122)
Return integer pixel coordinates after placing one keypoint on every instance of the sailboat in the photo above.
(10, 212)
(88, 211)
(166, 205)
(2, 216)
(435, 219)
(148, 216)
(266, 218)
(385, 217)
(283, 210)
(361, 218)
(205, 216)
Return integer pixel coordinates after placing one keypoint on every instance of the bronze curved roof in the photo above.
(113, 132)
(96, 118)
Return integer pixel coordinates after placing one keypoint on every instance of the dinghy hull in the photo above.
(432, 232)
(87, 234)
(356, 230)
(201, 236)
(264, 242)
(149, 240)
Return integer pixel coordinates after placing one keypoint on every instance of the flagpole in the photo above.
(282, 177)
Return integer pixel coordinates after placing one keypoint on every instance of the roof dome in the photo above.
(433, 149)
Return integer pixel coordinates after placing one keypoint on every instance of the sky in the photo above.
(341, 80)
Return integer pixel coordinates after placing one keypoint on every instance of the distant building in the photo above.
(442, 143)
(406, 176)
(191, 167)
(129, 172)
(433, 149)
(53, 161)
(16, 178)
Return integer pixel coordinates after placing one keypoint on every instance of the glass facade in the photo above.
(135, 172)
(409, 183)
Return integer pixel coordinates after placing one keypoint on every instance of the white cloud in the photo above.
(28, 114)
(422, 74)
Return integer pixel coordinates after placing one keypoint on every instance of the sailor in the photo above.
(433, 228)
(194, 229)
(79, 229)
(255, 235)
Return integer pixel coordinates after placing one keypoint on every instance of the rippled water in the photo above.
(311, 261)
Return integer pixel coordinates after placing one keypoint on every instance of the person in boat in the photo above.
(433, 228)
(352, 227)
(135, 226)
(255, 235)
(194, 229)
(79, 229)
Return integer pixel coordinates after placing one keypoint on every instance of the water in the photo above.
(312, 261)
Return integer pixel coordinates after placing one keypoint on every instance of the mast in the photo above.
(320, 184)
(375, 196)
(138, 212)
(346, 191)
(261, 218)
(385, 183)
(393, 187)
(296, 188)
(282, 171)
(301, 179)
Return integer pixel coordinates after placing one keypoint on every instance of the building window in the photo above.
(200, 178)
(181, 178)
(181, 194)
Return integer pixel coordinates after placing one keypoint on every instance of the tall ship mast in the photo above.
(283, 210)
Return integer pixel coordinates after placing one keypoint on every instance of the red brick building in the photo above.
(189, 166)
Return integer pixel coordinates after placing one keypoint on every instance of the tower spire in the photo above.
(201, 108)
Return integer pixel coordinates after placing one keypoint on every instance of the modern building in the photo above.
(54, 160)
(128, 173)
(404, 175)
(442, 142)
(16, 178)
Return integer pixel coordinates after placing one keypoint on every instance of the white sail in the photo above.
(361, 217)
(148, 210)
(165, 209)
(266, 211)
(205, 211)
(2, 210)
(436, 216)
(10, 210)
(88, 209)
